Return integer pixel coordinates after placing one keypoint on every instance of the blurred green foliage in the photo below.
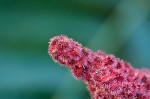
(120, 27)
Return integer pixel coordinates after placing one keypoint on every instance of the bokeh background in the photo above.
(119, 27)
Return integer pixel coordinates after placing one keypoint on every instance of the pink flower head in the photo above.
(106, 76)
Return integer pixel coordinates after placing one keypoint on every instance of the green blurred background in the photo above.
(119, 27)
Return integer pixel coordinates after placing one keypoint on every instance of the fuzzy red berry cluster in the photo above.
(106, 76)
